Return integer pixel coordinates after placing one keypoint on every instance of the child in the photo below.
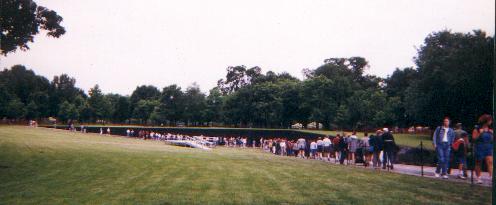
(460, 151)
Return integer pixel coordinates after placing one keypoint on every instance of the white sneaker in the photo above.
(445, 176)
(461, 176)
(436, 175)
(479, 181)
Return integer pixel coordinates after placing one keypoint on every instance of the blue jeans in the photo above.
(443, 156)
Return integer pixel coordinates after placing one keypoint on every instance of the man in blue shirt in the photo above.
(442, 141)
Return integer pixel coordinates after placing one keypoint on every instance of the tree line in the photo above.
(453, 76)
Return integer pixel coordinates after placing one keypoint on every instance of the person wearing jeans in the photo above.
(442, 140)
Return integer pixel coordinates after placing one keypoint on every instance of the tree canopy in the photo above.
(452, 77)
(21, 20)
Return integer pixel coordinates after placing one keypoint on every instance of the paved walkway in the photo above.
(429, 173)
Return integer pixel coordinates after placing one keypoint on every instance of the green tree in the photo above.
(83, 108)
(144, 92)
(236, 78)
(32, 110)
(97, 103)
(5, 98)
(194, 105)
(171, 105)
(122, 109)
(213, 110)
(63, 88)
(397, 85)
(67, 111)
(452, 67)
(144, 109)
(21, 20)
(342, 117)
(15, 109)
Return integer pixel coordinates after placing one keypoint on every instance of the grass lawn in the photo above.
(45, 166)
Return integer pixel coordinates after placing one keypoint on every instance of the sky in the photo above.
(122, 44)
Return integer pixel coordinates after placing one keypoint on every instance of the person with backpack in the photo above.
(460, 152)
(442, 140)
(460, 149)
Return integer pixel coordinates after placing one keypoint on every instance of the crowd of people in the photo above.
(153, 135)
(452, 146)
(376, 150)
(235, 142)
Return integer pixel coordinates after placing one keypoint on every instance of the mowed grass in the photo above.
(46, 166)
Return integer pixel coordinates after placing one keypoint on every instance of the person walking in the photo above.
(320, 148)
(460, 152)
(326, 143)
(367, 152)
(388, 145)
(313, 149)
(343, 147)
(352, 147)
(282, 144)
(376, 144)
(442, 140)
(459, 147)
(296, 149)
(484, 138)
(335, 145)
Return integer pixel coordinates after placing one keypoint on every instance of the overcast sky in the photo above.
(122, 44)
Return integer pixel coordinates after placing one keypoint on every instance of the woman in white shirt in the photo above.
(327, 147)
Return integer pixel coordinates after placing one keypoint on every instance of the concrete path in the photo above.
(429, 173)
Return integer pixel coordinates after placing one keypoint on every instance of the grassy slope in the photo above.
(44, 166)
